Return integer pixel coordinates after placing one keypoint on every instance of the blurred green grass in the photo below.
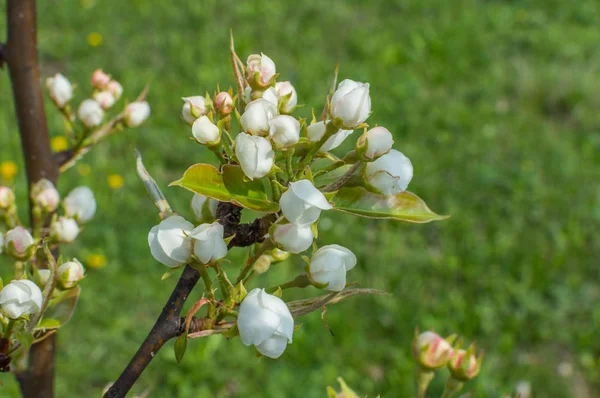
(496, 104)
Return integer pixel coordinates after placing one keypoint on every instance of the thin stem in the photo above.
(424, 377)
(48, 289)
(210, 293)
(289, 155)
(266, 245)
(334, 186)
(300, 281)
(453, 387)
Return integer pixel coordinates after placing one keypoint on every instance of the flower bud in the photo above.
(257, 116)
(271, 96)
(64, 230)
(170, 243)
(265, 321)
(431, 350)
(100, 79)
(209, 245)
(374, 143)
(260, 70)
(329, 264)
(464, 365)
(288, 98)
(45, 195)
(115, 88)
(278, 255)
(70, 274)
(262, 264)
(302, 203)
(19, 243)
(7, 198)
(20, 298)
(41, 277)
(351, 103)
(390, 174)
(59, 89)
(224, 103)
(255, 155)
(292, 238)
(206, 132)
(316, 131)
(90, 113)
(284, 131)
(193, 108)
(104, 98)
(136, 113)
(205, 209)
(80, 204)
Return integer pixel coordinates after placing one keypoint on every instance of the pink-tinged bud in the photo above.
(100, 79)
(70, 274)
(7, 198)
(224, 103)
(115, 88)
(464, 365)
(260, 71)
(45, 195)
(105, 99)
(431, 350)
(19, 243)
(193, 108)
(136, 113)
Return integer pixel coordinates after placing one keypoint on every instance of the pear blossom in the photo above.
(224, 103)
(64, 229)
(90, 113)
(265, 321)
(136, 113)
(7, 197)
(255, 155)
(316, 131)
(45, 195)
(100, 79)
(115, 88)
(374, 143)
(193, 108)
(170, 243)
(292, 238)
(209, 245)
(351, 103)
(70, 274)
(19, 243)
(80, 204)
(59, 89)
(261, 65)
(271, 95)
(431, 350)
(205, 209)
(390, 174)
(284, 131)
(20, 298)
(257, 116)
(329, 265)
(104, 98)
(302, 203)
(287, 96)
(205, 131)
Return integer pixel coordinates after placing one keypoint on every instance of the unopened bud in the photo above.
(136, 113)
(90, 113)
(288, 98)
(64, 230)
(374, 143)
(115, 88)
(431, 350)
(45, 195)
(206, 132)
(41, 277)
(70, 274)
(59, 89)
(19, 243)
(262, 264)
(100, 79)
(193, 108)
(105, 99)
(464, 364)
(224, 103)
(7, 198)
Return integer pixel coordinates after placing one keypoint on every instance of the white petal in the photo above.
(305, 190)
(171, 237)
(157, 252)
(273, 347)
(335, 140)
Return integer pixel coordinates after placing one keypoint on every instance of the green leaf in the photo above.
(403, 206)
(231, 186)
(48, 323)
(332, 176)
(180, 347)
(25, 338)
(61, 308)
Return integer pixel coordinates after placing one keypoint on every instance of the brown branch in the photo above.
(229, 216)
(20, 53)
(168, 325)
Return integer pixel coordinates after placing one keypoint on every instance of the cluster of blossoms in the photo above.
(22, 301)
(276, 164)
(91, 111)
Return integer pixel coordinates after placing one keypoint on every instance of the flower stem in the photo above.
(266, 245)
(424, 377)
(330, 130)
(289, 154)
(299, 281)
(210, 293)
(453, 386)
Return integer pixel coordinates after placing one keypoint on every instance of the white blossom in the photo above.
(193, 108)
(59, 89)
(115, 88)
(255, 155)
(70, 273)
(257, 116)
(170, 243)
(20, 298)
(287, 96)
(389, 174)
(375, 142)
(351, 103)
(284, 131)
(90, 113)
(262, 65)
(64, 229)
(7, 197)
(105, 99)
(209, 245)
(265, 321)
(19, 243)
(45, 195)
(292, 238)
(204, 208)
(329, 265)
(316, 131)
(100, 80)
(302, 203)
(205, 131)
(136, 113)
(80, 204)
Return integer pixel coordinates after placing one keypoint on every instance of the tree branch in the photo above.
(167, 326)
(229, 216)
(20, 53)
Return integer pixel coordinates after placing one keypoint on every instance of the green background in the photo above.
(495, 102)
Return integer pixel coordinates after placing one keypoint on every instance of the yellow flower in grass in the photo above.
(84, 169)
(115, 181)
(96, 261)
(8, 170)
(59, 144)
(94, 39)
